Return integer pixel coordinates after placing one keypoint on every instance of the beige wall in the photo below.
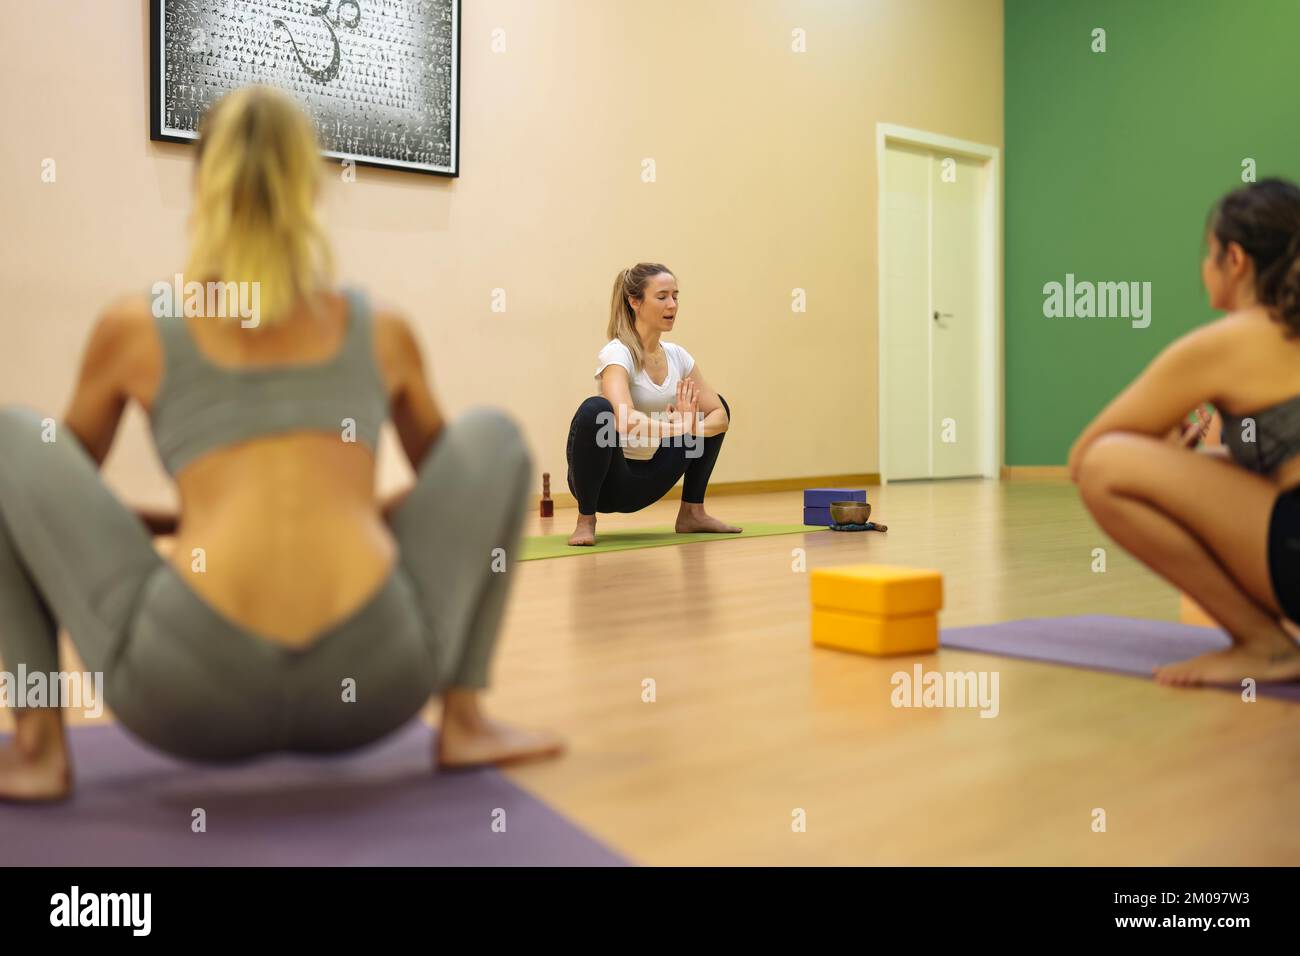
(766, 181)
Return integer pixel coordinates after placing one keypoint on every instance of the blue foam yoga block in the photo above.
(820, 516)
(822, 497)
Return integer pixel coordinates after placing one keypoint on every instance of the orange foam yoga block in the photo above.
(884, 590)
(874, 634)
(1189, 612)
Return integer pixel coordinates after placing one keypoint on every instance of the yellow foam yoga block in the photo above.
(881, 589)
(874, 633)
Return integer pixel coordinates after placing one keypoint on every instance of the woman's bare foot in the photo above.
(1272, 660)
(493, 743)
(585, 534)
(34, 764)
(468, 738)
(691, 519)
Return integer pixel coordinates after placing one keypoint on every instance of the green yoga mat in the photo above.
(556, 545)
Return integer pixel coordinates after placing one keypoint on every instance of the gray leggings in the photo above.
(187, 680)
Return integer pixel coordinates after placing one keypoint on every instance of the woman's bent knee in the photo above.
(31, 445)
(491, 439)
(18, 422)
(590, 412)
(1106, 462)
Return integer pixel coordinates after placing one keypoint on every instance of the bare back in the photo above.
(282, 534)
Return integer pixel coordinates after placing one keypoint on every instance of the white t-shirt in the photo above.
(647, 397)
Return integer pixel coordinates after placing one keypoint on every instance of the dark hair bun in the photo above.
(1263, 218)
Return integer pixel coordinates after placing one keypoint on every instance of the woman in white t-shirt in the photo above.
(655, 420)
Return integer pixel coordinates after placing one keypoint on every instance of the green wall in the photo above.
(1112, 162)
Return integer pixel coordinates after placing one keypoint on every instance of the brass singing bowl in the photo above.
(850, 512)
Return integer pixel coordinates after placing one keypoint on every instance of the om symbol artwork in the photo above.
(339, 20)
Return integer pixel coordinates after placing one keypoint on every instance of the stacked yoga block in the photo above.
(876, 609)
(1189, 612)
(817, 502)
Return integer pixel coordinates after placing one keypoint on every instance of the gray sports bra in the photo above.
(202, 406)
(1276, 436)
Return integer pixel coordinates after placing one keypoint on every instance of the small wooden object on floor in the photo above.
(548, 506)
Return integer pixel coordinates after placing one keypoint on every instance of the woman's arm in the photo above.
(716, 420)
(100, 395)
(1179, 379)
(614, 385)
(415, 412)
(616, 388)
(113, 354)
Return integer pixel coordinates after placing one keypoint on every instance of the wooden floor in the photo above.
(750, 723)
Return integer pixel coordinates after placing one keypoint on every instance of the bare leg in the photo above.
(469, 739)
(34, 763)
(1152, 498)
(692, 519)
(1261, 647)
(584, 535)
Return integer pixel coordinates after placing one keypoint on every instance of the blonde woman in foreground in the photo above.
(306, 586)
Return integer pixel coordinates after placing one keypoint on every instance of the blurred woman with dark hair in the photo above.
(1224, 528)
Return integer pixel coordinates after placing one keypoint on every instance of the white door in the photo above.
(905, 360)
(932, 373)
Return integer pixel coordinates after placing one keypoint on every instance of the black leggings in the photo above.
(603, 480)
(1284, 552)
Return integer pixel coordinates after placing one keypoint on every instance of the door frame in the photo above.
(990, 264)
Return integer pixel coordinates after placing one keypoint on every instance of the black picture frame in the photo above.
(160, 131)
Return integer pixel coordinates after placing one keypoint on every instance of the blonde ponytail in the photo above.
(257, 175)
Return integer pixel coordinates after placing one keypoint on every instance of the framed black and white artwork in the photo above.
(380, 78)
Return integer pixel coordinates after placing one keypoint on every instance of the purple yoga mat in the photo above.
(1124, 645)
(382, 806)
